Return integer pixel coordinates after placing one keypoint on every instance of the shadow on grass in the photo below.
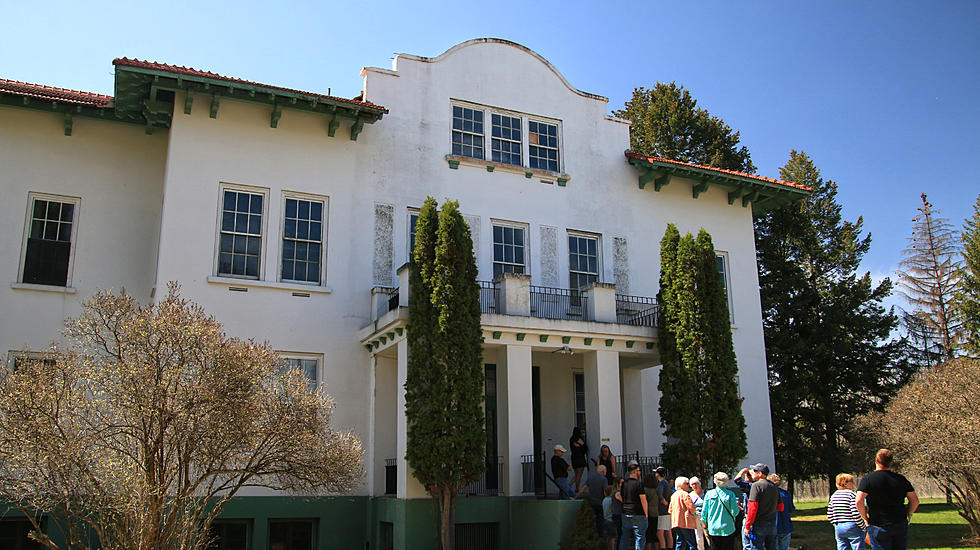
(935, 525)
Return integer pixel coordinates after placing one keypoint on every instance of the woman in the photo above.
(697, 496)
(580, 455)
(617, 508)
(719, 511)
(683, 515)
(650, 490)
(842, 513)
(607, 459)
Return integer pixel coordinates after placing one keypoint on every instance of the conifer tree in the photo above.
(928, 276)
(968, 296)
(827, 334)
(698, 359)
(667, 122)
(444, 386)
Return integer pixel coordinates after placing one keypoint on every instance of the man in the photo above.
(683, 515)
(663, 519)
(761, 509)
(784, 523)
(559, 470)
(886, 492)
(595, 490)
(634, 511)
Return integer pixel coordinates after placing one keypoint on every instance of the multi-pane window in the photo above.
(306, 365)
(508, 249)
(583, 261)
(542, 141)
(413, 220)
(580, 401)
(240, 241)
(302, 240)
(15, 535)
(291, 534)
(229, 535)
(467, 132)
(723, 271)
(47, 254)
(505, 143)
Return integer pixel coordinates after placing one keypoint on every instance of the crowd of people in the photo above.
(637, 512)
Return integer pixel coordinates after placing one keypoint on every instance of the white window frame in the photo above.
(28, 218)
(727, 281)
(483, 134)
(557, 148)
(318, 357)
(598, 249)
(519, 142)
(526, 118)
(325, 201)
(527, 245)
(263, 235)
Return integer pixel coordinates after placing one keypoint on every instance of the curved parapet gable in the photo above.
(480, 41)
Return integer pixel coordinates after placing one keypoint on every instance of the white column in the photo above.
(603, 410)
(515, 414)
(372, 419)
(408, 486)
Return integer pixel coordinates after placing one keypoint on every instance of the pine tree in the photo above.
(444, 387)
(827, 334)
(928, 276)
(968, 296)
(698, 359)
(667, 122)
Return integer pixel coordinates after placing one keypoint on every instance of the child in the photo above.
(608, 525)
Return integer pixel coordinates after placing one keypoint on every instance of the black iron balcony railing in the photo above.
(559, 303)
(388, 301)
(647, 463)
(490, 482)
(639, 311)
(488, 297)
(391, 476)
(533, 474)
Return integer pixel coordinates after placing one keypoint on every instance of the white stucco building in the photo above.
(288, 216)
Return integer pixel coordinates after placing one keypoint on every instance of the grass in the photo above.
(935, 526)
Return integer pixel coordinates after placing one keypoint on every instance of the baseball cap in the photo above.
(761, 468)
(559, 447)
(632, 463)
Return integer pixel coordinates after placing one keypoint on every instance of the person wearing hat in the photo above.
(760, 511)
(559, 470)
(719, 512)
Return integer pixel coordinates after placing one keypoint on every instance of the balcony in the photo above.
(488, 484)
(513, 294)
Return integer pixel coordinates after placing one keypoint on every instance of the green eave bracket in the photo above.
(68, 111)
(276, 115)
(356, 128)
(699, 188)
(68, 124)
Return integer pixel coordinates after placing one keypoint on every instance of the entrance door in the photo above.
(490, 414)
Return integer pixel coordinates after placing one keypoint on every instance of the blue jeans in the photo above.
(685, 539)
(894, 537)
(782, 541)
(564, 489)
(765, 536)
(849, 536)
(634, 533)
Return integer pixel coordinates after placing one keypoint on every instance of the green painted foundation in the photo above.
(366, 523)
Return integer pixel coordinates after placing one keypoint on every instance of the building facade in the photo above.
(289, 216)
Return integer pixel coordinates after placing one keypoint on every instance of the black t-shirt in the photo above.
(663, 492)
(632, 489)
(766, 493)
(559, 468)
(886, 497)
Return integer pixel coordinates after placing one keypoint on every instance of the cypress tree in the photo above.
(968, 295)
(444, 389)
(698, 359)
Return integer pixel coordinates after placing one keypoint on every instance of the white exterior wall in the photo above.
(116, 171)
(602, 195)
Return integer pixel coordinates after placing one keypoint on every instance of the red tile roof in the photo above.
(189, 71)
(720, 170)
(55, 94)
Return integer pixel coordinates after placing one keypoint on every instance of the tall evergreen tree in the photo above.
(698, 359)
(968, 296)
(444, 386)
(928, 276)
(826, 330)
(668, 123)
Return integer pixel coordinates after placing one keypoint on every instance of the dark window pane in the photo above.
(241, 223)
(40, 209)
(290, 208)
(509, 254)
(304, 210)
(313, 272)
(498, 252)
(255, 224)
(288, 249)
(229, 200)
(51, 231)
(593, 265)
(592, 249)
(226, 243)
(572, 245)
(66, 212)
(519, 237)
(238, 265)
(316, 211)
(303, 229)
(519, 255)
(314, 252)
(287, 269)
(242, 205)
(227, 221)
(224, 263)
(54, 210)
(64, 232)
(46, 262)
(301, 249)
(290, 229)
(240, 243)
(256, 204)
(254, 244)
(498, 233)
(251, 266)
(37, 229)
(314, 231)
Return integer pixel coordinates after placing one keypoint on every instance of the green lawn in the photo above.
(935, 526)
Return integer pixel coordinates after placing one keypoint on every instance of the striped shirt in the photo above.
(842, 508)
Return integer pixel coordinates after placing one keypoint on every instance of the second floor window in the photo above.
(48, 250)
(583, 261)
(508, 249)
(240, 241)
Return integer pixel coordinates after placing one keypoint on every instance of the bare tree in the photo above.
(932, 426)
(928, 276)
(138, 432)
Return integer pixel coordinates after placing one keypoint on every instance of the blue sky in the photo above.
(882, 94)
